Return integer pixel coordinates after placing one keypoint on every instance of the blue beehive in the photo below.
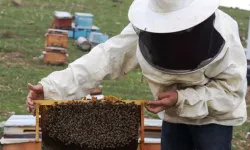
(93, 29)
(97, 38)
(80, 32)
(83, 32)
(84, 20)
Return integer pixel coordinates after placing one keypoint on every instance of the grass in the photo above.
(22, 38)
(242, 17)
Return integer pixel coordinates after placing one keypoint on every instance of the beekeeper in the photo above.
(191, 54)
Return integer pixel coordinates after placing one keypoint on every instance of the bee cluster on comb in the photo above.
(98, 125)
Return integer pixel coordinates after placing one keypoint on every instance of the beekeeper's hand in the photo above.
(35, 93)
(164, 101)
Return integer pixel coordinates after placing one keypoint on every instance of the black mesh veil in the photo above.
(183, 50)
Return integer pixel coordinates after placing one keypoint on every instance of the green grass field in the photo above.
(22, 39)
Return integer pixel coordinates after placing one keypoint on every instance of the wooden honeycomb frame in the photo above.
(53, 102)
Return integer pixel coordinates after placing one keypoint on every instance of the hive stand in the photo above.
(53, 102)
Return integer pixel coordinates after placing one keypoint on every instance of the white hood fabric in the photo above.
(214, 93)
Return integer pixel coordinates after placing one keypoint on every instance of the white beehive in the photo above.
(19, 129)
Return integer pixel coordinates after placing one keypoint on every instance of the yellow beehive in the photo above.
(56, 38)
(54, 58)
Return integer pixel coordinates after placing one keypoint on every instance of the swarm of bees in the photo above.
(108, 125)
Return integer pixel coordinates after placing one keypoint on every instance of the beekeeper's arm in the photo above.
(226, 89)
(112, 59)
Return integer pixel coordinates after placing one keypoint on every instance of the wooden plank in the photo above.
(20, 130)
(37, 146)
(142, 127)
(23, 146)
(151, 147)
(53, 102)
(37, 122)
(152, 128)
(21, 136)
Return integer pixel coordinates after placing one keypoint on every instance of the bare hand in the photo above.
(35, 93)
(164, 101)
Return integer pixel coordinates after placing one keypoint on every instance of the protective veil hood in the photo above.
(184, 50)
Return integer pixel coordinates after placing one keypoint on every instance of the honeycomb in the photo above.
(108, 125)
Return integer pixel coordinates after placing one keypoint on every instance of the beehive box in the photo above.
(80, 32)
(97, 38)
(152, 131)
(54, 58)
(93, 29)
(62, 20)
(84, 20)
(57, 38)
(19, 133)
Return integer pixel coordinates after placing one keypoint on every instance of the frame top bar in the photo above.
(53, 102)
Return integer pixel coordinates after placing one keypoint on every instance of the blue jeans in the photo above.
(190, 137)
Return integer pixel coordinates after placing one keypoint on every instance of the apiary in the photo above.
(56, 38)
